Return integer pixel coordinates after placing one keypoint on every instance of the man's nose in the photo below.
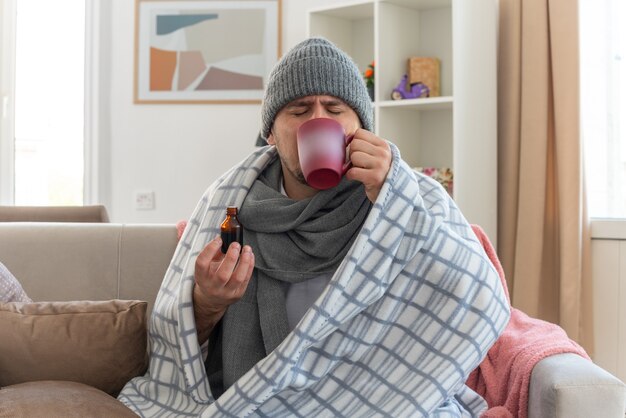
(319, 111)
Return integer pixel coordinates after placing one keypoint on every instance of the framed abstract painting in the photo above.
(205, 51)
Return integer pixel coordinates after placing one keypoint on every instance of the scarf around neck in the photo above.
(293, 241)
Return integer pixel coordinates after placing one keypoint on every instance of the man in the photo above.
(372, 298)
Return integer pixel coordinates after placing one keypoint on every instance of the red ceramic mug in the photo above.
(322, 152)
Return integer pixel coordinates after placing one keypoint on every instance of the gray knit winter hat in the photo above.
(315, 67)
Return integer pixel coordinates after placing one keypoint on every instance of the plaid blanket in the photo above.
(409, 313)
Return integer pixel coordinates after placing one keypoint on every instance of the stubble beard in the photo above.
(295, 172)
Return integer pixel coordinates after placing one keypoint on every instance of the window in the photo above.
(48, 114)
(603, 104)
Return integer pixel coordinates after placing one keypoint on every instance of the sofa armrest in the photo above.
(567, 385)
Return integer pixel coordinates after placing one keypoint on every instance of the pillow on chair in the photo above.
(98, 343)
(59, 399)
(10, 288)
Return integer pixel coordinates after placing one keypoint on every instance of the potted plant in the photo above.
(368, 75)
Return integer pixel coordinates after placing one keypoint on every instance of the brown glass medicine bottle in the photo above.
(231, 229)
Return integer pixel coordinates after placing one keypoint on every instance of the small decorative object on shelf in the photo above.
(404, 90)
(443, 175)
(425, 70)
(368, 75)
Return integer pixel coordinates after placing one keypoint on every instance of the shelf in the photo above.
(458, 128)
(350, 11)
(350, 26)
(430, 103)
(421, 4)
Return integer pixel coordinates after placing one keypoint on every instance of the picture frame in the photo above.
(205, 51)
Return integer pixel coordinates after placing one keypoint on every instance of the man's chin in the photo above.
(300, 177)
(297, 174)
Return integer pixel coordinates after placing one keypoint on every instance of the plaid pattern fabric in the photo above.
(10, 288)
(409, 313)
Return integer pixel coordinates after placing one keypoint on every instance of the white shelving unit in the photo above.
(457, 129)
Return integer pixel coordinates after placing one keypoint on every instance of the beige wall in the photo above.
(174, 150)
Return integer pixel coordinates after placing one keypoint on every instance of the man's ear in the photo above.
(270, 138)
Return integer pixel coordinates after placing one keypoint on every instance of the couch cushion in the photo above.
(59, 399)
(99, 343)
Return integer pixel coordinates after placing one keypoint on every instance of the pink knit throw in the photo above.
(180, 228)
(503, 377)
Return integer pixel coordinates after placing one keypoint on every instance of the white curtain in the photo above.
(603, 104)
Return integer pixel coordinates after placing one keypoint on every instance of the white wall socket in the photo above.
(144, 200)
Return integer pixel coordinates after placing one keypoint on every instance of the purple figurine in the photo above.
(416, 90)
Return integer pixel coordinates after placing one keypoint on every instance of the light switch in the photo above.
(144, 200)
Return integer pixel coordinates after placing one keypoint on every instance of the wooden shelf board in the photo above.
(430, 103)
(351, 11)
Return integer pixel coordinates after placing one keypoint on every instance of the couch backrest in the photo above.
(88, 261)
(95, 213)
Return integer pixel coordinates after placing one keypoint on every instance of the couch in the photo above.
(125, 263)
(88, 214)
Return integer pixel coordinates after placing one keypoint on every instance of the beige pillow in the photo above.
(59, 399)
(101, 344)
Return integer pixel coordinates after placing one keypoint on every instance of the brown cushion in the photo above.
(59, 399)
(101, 344)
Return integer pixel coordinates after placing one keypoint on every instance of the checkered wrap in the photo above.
(408, 314)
